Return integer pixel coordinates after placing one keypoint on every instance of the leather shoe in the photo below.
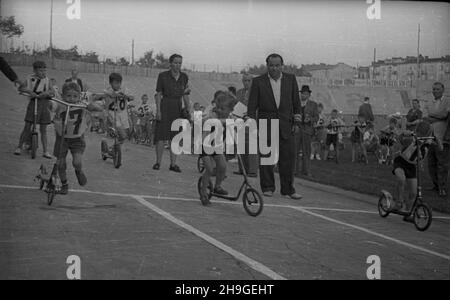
(294, 196)
(268, 194)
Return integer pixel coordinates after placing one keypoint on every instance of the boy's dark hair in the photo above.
(144, 95)
(173, 56)
(69, 86)
(219, 92)
(232, 90)
(115, 77)
(273, 55)
(225, 103)
(320, 105)
(39, 64)
(334, 110)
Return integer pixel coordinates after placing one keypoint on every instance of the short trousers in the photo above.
(75, 145)
(408, 168)
(387, 141)
(331, 139)
(43, 112)
(121, 119)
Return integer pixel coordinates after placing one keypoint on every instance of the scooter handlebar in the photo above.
(59, 101)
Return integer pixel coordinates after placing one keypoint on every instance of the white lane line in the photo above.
(215, 201)
(239, 256)
(304, 210)
(373, 233)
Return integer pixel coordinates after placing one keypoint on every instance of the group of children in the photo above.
(113, 102)
(330, 131)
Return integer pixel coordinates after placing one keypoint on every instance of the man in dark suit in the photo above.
(6, 69)
(75, 79)
(274, 95)
(309, 113)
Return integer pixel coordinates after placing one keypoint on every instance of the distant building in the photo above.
(363, 72)
(337, 71)
(398, 68)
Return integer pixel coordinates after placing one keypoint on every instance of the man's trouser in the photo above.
(303, 143)
(438, 165)
(250, 161)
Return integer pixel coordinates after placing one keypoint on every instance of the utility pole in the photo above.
(373, 64)
(51, 32)
(132, 52)
(418, 53)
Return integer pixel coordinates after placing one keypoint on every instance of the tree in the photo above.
(90, 57)
(109, 61)
(162, 62)
(123, 62)
(147, 60)
(9, 28)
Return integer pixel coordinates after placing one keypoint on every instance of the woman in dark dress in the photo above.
(171, 88)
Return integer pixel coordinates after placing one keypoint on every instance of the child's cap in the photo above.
(115, 77)
(39, 64)
(70, 86)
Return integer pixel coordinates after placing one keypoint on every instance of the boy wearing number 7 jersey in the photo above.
(77, 124)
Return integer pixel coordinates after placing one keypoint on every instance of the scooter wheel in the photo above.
(50, 196)
(117, 157)
(104, 149)
(253, 202)
(34, 145)
(422, 216)
(383, 206)
(200, 165)
(200, 187)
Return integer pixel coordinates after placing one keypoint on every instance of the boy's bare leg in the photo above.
(173, 156)
(221, 169)
(43, 130)
(412, 189)
(24, 134)
(401, 180)
(62, 169)
(159, 151)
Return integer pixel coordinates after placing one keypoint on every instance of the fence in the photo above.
(357, 82)
(85, 67)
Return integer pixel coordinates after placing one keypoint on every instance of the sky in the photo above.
(230, 35)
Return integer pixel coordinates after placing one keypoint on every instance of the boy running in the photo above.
(38, 86)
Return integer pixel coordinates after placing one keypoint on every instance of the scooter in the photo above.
(114, 151)
(251, 198)
(51, 183)
(420, 213)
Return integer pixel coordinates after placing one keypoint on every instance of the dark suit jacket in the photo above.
(80, 83)
(262, 105)
(365, 110)
(6, 69)
(310, 116)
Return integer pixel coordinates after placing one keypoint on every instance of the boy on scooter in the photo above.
(405, 167)
(38, 86)
(77, 124)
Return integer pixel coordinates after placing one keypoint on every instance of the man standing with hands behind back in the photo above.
(309, 116)
(274, 95)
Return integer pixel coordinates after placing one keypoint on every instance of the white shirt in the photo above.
(276, 88)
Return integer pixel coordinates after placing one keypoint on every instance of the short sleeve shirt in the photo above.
(169, 86)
